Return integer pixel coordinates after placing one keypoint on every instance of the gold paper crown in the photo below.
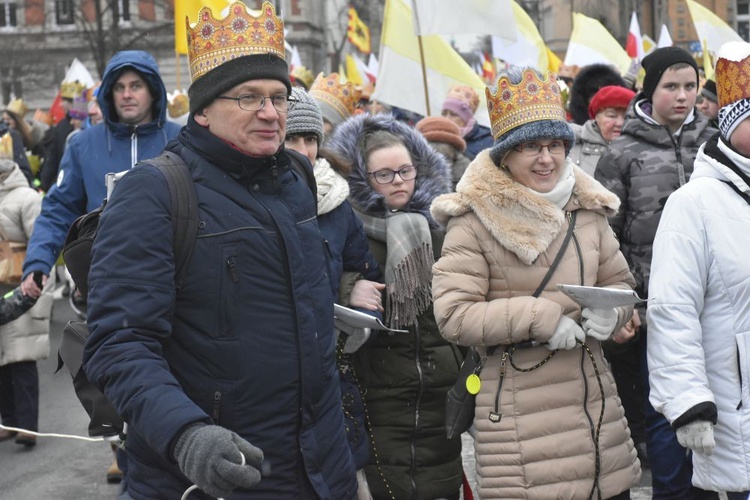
(178, 104)
(733, 73)
(338, 93)
(71, 90)
(212, 42)
(304, 75)
(531, 100)
(18, 107)
(6, 147)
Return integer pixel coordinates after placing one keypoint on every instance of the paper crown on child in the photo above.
(338, 98)
(531, 100)
(178, 103)
(213, 42)
(18, 107)
(71, 90)
(6, 147)
(303, 75)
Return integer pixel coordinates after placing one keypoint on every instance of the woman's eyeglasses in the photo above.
(532, 149)
(386, 176)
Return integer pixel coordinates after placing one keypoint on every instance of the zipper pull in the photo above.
(232, 267)
(503, 359)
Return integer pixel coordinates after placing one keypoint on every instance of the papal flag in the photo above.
(357, 32)
(710, 28)
(400, 81)
(529, 48)
(591, 43)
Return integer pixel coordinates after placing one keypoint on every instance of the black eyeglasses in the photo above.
(386, 176)
(255, 102)
(531, 149)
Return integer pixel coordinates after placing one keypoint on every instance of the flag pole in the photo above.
(421, 58)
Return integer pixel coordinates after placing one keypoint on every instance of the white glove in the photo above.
(565, 335)
(599, 323)
(698, 436)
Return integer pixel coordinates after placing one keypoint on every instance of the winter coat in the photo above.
(54, 147)
(643, 166)
(19, 152)
(108, 147)
(27, 338)
(699, 329)
(477, 140)
(457, 162)
(248, 341)
(405, 376)
(589, 146)
(501, 239)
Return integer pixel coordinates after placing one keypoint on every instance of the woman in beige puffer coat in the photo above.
(25, 340)
(549, 436)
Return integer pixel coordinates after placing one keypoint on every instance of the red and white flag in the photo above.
(634, 45)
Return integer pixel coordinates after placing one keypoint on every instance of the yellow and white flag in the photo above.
(529, 48)
(591, 43)
(190, 9)
(400, 71)
(477, 17)
(710, 28)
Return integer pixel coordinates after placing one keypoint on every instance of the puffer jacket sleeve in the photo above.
(677, 371)
(610, 171)
(460, 285)
(613, 269)
(131, 305)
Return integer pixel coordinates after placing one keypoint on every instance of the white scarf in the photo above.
(560, 194)
(332, 187)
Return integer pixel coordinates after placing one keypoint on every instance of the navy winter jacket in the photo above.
(94, 152)
(247, 343)
(477, 140)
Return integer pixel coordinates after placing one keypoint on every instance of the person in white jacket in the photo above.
(698, 313)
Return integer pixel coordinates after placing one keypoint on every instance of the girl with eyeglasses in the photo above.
(405, 376)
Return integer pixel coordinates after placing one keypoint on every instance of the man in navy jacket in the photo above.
(228, 382)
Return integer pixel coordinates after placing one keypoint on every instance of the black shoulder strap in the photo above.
(737, 190)
(184, 209)
(303, 168)
(559, 256)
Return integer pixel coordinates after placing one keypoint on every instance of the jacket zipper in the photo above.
(216, 407)
(134, 147)
(417, 404)
(579, 254)
(232, 268)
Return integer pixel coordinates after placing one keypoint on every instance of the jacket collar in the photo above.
(522, 222)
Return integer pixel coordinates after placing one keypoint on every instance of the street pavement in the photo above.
(67, 469)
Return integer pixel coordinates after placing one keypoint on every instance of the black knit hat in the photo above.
(657, 62)
(242, 69)
(709, 91)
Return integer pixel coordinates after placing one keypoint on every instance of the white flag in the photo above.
(664, 39)
(467, 17)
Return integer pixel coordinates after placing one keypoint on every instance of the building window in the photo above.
(743, 7)
(8, 17)
(125, 11)
(64, 11)
(743, 29)
(743, 19)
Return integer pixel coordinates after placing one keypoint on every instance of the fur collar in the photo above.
(433, 179)
(522, 222)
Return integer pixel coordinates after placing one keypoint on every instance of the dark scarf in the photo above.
(241, 166)
(712, 150)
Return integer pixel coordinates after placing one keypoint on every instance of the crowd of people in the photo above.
(234, 378)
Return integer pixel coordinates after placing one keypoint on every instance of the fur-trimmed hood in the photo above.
(518, 219)
(433, 178)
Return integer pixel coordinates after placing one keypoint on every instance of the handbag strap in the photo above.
(559, 256)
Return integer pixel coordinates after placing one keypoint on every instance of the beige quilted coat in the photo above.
(500, 240)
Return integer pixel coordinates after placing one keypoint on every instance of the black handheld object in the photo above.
(38, 279)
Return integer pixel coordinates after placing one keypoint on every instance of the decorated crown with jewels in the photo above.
(71, 90)
(212, 42)
(304, 75)
(336, 91)
(531, 100)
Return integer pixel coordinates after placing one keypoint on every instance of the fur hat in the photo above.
(709, 91)
(439, 129)
(305, 116)
(519, 114)
(660, 60)
(611, 96)
(587, 82)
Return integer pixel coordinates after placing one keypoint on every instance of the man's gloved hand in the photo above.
(698, 436)
(565, 335)
(599, 323)
(209, 455)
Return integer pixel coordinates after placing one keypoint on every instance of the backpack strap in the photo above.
(301, 165)
(184, 209)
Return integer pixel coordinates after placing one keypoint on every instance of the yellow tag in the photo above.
(473, 384)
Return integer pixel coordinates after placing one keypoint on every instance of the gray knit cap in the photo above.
(305, 116)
